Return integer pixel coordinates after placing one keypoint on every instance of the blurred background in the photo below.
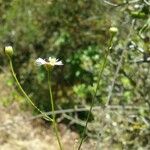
(76, 32)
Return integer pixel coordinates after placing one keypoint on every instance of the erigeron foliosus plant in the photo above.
(113, 32)
(8, 50)
(48, 64)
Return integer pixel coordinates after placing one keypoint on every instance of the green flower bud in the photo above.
(9, 50)
(113, 30)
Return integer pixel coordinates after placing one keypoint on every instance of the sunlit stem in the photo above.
(24, 93)
(95, 93)
(53, 109)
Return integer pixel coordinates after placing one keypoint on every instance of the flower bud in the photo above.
(9, 50)
(113, 30)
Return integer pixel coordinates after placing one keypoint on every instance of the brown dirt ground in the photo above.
(18, 132)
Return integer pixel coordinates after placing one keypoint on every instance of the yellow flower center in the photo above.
(52, 61)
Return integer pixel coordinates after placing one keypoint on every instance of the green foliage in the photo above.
(77, 32)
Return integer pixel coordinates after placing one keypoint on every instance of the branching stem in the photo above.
(95, 93)
(24, 93)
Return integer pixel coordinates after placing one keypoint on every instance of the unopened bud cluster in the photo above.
(9, 50)
(113, 30)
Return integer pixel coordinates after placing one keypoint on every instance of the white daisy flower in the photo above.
(50, 62)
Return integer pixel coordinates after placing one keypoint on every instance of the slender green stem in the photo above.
(53, 109)
(95, 93)
(24, 93)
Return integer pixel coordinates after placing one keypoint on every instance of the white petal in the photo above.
(40, 61)
(59, 63)
(49, 59)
